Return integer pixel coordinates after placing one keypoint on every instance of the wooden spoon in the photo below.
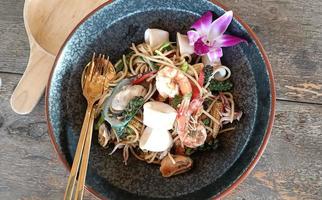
(47, 24)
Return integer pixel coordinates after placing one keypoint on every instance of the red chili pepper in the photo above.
(195, 91)
(142, 77)
(170, 55)
(201, 80)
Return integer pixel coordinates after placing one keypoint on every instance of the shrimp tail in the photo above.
(184, 104)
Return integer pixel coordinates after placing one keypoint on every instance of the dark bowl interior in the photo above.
(111, 30)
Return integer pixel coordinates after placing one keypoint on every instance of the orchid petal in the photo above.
(219, 26)
(193, 36)
(203, 23)
(214, 55)
(228, 41)
(200, 47)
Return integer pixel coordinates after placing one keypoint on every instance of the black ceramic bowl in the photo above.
(111, 29)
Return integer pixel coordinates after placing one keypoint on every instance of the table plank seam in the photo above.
(8, 72)
(300, 102)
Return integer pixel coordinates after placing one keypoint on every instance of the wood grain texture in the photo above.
(291, 32)
(14, 51)
(29, 168)
(291, 167)
(289, 29)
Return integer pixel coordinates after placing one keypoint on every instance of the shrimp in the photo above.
(169, 81)
(191, 132)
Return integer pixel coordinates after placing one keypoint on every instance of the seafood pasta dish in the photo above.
(166, 100)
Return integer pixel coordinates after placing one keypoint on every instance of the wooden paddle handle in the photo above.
(33, 82)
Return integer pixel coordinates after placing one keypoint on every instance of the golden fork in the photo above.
(94, 80)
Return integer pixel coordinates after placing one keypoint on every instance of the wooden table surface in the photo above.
(291, 167)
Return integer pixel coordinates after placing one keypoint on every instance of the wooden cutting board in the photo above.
(47, 23)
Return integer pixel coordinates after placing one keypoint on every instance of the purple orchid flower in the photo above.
(208, 36)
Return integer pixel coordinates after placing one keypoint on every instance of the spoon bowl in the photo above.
(47, 24)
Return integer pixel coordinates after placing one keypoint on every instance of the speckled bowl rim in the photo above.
(260, 152)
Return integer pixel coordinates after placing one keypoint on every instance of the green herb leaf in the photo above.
(208, 70)
(189, 151)
(207, 102)
(99, 122)
(165, 47)
(128, 131)
(153, 65)
(185, 66)
(150, 63)
(128, 114)
(119, 66)
(128, 56)
(210, 145)
(207, 146)
(132, 108)
(176, 101)
(206, 121)
(217, 86)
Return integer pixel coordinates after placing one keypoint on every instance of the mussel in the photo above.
(118, 124)
(181, 165)
(127, 93)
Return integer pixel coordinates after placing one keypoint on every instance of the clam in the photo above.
(104, 135)
(181, 165)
